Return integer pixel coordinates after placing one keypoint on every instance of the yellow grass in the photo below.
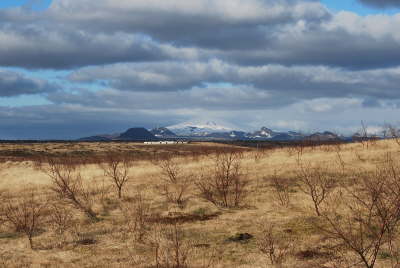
(113, 248)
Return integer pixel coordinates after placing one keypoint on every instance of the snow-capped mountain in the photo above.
(162, 132)
(200, 129)
(323, 136)
(264, 133)
(267, 134)
(210, 130)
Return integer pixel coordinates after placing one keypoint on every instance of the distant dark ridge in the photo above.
(95, 139)
(39, 141)
(137, 134)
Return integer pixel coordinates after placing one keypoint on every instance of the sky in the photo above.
(74, 68)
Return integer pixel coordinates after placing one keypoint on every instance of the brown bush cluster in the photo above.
(226, 185)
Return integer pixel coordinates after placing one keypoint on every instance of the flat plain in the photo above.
(199, 205)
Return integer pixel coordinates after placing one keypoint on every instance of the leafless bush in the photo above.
(67, 184)
(25, 214)
(175, 182)
(317, 183)
(2, 201)
(101, 189)
(210, 257)
(365, 216)
(392, 132)
(61, 219)
(282, 188)
(136, 216)
(365, 137)
(276, 247)
(117, 168)
(339, 158)
(171, 250)
(226, 186)
(297, 149)
(260, 153)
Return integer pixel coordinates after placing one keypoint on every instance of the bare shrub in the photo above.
(299, 149)
(260, 153)
(68, 185)
(360, 157)
(317, 183)
(365, 216)
(171, 250)
(136, 216)
(209, 258)
(116, 168)
(282, 188)
(277, 247)
(226, 186)
(25, 214)
(61, 219)
(392, 132)
(365, 137)
(175, 182)
(101, 189)
(2, 201)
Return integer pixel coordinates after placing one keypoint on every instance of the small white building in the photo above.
(165, 142)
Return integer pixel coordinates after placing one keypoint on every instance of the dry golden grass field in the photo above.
(199, 205)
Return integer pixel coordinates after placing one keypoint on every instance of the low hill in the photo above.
(137, 134)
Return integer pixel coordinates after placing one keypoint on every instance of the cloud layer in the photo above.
(15, 84)
(281, 63)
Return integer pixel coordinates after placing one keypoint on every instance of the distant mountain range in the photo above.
(210, 131)
(132, 134)
(199, 129)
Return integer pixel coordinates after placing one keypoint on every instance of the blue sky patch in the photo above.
(34, 4)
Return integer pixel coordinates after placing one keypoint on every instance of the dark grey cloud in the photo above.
(212, 98)
(32, 47)
(199, 22)
(298, 82)
(347, 40)
(15, 84)
(381, 3)
(331, 48)
(255, 32)
(79, 33)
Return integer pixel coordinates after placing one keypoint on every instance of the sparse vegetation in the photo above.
(226, 184)
(282, 188)
(91, 211)
(137, 217)
(176, 184)
(317, 183)
(116, 168)
(276, 247)
(25, 214)
(67, 183)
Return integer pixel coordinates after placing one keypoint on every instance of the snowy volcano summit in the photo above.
(200, 129)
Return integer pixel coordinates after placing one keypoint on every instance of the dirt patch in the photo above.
(184, 218)
(312, 254)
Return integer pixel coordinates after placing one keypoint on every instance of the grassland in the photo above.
(131, 231)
